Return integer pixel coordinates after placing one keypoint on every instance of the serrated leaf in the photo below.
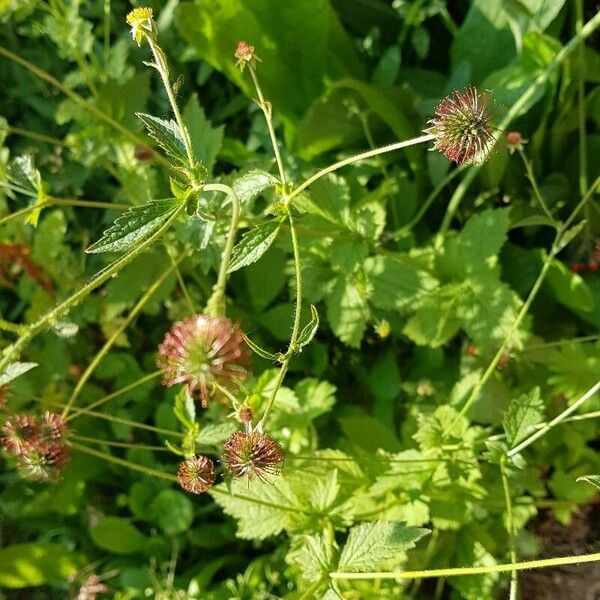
(14, 370)
(254, 244)
(167, 135)
(522, 415)
(251, 184)
(134, 225)
(23, 174)
(371, 545)
(215, 433)
(310, 329)
(591, 479)
(569, 235)
(315, 556)
(206, 140)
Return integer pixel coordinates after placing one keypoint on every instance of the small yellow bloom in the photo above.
(383, 329)
(140, 20)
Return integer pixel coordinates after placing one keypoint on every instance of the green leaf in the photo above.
(571, 233)
(347, 311)
(522, 415)
(310, 329)
(315, 556)
(173, 511)
(372, 545)
(249, 185)
(254, 244)
(118, 536)
(167, 135)
(215, 433)
(206, 139)
(14, 370)
(135, 224)
(534, 220)
(23, 174)
(261, 509)
(591, 479)
(396, 283)
(568, 288)
(37, 563)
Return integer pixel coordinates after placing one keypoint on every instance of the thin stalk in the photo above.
(583, 185)
(62, 202)
(266, 109)
(534, 185)
(295, 328)
(41, 74)
(510, 526)
(134, 446)
(182, 285)
(216, 303)
(357, 158)
(135, 311)
(576, 340)
(40, 137)
(82, 411)
(14, 349)
(432, 196)
(106, 31)
(561, 417)
(160, 62)
(12, 327)
(124, 463)
(518, 106)
(461, 571)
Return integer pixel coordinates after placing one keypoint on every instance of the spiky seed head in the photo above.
(202, 351)
(245, 414)
(19, 434)
(196, 474)
(461, 126)
(252, 454)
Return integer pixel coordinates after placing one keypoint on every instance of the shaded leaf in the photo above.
(167, 135)
(251, 184)
(254, 244)
(118, 536)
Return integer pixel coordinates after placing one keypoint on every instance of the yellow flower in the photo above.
(140, 20)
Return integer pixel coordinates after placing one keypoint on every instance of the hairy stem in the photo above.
(510, 526)
(216, 303)
(12, 351)
(534, 184)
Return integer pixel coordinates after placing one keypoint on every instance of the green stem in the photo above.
(12, 351)
(581, 101)
(123, 463)
(518, 106)
(216, 303)
(12, 327)
(135, 311)
(134, 446)
(162, 67)
(534, 185)
(357, 158)
(461, 571)
(563, 415)
(266, 108)
(40, 137)
(310, 591)
(510, 526)
(82, 411)
(295, 328)
(106, 31)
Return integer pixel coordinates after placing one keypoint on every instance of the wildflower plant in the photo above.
(228, 292)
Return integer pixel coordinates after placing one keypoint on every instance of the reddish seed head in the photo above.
(202, 351)
(593, 266)
(514, 141)
(19, 434)
(196, 474)
(245, 414)
(461, 127)
(52, 427)
(143, 153)
(43, 462)
(244, 54)
(253, 453)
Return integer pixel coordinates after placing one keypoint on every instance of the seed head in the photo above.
(514, 141)
(253, 453)
(52, 428)
(461, 127)
(196, 474)
(141, 22)
(244, 55)
(44, 462)
(19, 434)
(245, 414)
(202, 351)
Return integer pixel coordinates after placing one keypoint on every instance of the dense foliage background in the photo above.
(421, 272)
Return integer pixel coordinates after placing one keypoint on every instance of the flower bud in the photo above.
(196, 474)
